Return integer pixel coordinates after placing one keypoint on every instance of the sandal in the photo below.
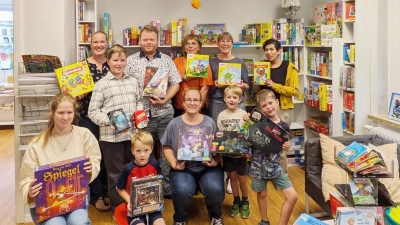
(106, 204)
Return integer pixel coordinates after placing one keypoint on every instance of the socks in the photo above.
(245, 199)
(264, 222)
(236, 199)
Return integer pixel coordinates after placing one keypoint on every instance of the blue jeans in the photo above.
(184, 183)
(76, 217)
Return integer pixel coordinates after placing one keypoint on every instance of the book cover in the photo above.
(194, 143)
(335, 202)
(350, 11)
(158, 84)
(208, 33)
(362, 191)
(229, 73)
(265, 31)
(320, 14)
(75, 79)
(312, 35)
(197, 65)
(356, 216)
(353, 151)
(327, 33)
(65, 188)
(230, 143)
(249, 65)
(36, 63)
(146, 195)
(262, 72)
(305, 219)
(394, 107)
(119, 120)
(263, 134)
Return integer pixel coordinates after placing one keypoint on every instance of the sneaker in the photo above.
(234, 212)
(228, 187)
(245, 210)
(216, 221)
(263, 223)
(179, 223)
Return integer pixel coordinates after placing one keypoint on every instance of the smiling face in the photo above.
(117, 63)
(148, 42)
(63, 115)
(99, 44)
(231, 99)
(141, 152)
(269, 107)
(225, 45)
(271, 52)
(192, 101)
(192, 46)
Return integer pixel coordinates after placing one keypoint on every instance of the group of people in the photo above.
(113, 159)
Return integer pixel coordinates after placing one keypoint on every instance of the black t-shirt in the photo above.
(278, 75)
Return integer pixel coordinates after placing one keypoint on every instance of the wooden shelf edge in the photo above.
(384, 120)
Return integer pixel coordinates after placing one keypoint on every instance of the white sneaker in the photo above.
(228, 187)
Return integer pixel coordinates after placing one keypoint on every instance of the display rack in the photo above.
(86, 25)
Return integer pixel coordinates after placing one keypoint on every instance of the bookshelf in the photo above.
(86, 25)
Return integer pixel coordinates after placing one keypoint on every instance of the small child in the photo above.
(231, 119)
(141, 166)
(267, 103)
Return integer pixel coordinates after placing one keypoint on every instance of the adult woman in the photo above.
(98, 68)
(284, 83)
(191, 44)
(59, 141)
(185, 175)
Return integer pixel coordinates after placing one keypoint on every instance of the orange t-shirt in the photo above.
(192, 83)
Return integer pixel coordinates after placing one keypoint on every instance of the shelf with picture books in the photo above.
(86, 24)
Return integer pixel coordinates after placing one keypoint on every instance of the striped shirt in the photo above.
(110, 94)
(136, 67)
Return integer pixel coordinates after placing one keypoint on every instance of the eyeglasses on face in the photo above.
(188, 100)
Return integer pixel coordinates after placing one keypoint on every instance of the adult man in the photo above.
(159, 111)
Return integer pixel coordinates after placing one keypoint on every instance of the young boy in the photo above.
(141, 166)
(267, 103)
(231, 119)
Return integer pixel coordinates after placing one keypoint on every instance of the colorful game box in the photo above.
(157, 84)
(65, 188)
(75, 79)
(229, 73)
(197, 65)
(146, 195)
(194, 143)
(118, 120)
(230, 143)
(209, 32)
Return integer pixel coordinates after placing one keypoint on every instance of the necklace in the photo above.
(59, 142)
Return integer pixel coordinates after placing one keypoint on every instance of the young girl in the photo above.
(59, 141)
(115, 91)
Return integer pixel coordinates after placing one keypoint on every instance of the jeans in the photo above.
(76, 217)
(156, 127)
(184, 184)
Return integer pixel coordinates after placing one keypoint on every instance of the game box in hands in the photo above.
(229, 73)
(119, 120)
(36, 63)
(194, 143)
(230, 143)
(75, 78)
(197, 65)
(146, 195)
(158, 84)
(65, 188)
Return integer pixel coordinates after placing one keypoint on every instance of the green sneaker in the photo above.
(234, 212)
(245, 210)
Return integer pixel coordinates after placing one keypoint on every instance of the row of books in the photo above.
(257, 33)
(84, 52)
(348, 101)
(321, 35)
(319, 94)
(328, 13)
(107, 29)
(348, 122)
(289, 31)
(319, 124)
(349, 53)
(293, 54)
(348, 78)
(81, 11)
(85, 33)
(319, 63)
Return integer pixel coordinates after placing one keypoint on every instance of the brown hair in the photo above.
(59, 98)
(263, 95)
(98, 32)
(144, 137)
(225, 35)
(191, 89)
(190, 37)
(115, 49)
(149, 28)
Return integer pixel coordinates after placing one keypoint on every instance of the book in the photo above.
(362, 191)
(197, 65)
(36, 63)
(229, 73)
(146, 195)
(350, 11)
(262, 72)
(305, 219)
(265, 135)
(353, 151)
(208, 33)
(158, 84)
(327, 33)
(249, 65)
(335, 202)
(394, 107)
(230, 143)
(119, 120)
(75, 78)
(356, 216)
(65, 188)
(194, 143)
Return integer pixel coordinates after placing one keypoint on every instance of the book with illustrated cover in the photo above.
(146, 195)
(394, 107)
(119, 120)
(64, 189)
(150, 71)
(209, 32)
(356, 216)
(230, 143)
(265, 135)
(249, 65)
(36, 63)
(194, 143)
(363, 191)
(158, 84)
(229, 73)
(75, 79)
(197, 65)
(335, 201)
(305, 219)
(353, 151)
(262, 72)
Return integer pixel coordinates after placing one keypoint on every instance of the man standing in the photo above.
(159, 111)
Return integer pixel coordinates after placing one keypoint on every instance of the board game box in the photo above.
(146, 195)
(194, 143)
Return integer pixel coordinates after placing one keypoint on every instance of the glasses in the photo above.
(187, 100)
(225, 41)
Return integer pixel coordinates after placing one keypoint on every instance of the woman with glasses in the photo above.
(185, 176)
(191, 44)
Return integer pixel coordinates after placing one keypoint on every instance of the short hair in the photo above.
(190, 37)
(144, 137)
(276, 43)
(98, 32)
(149, 28)
(234, 89)
(191, 89)
(225, 35)
(263, 95)
(115, 49)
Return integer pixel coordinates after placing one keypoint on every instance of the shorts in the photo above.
(280, 183)
(240, 165)
(142, 218)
